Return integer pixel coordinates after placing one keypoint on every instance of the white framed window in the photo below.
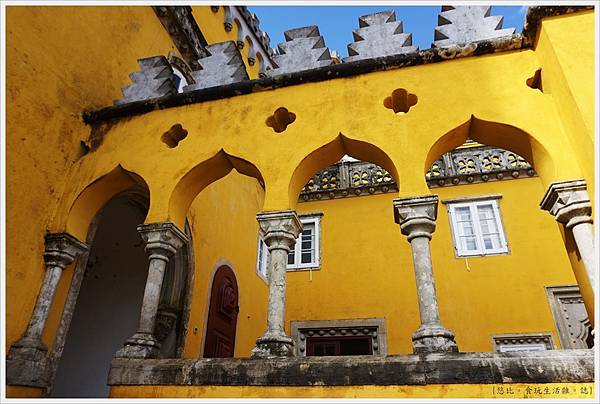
(477, 227)
(305, 254)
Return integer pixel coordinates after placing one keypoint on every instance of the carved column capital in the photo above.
(61, 249)
(416, 215)
(162, 239)
(280, 229)
(568, 202)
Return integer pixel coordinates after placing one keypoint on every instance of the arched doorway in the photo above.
(109, 300)
(222, 315)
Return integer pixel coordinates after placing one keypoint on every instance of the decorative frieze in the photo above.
(304, 49)
(379, 35)
(522, 342)
(465, 24)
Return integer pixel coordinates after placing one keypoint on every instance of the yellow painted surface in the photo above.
(23, 392)
(501, 391)
(60, 61)
(212, 26)
(366, 266)
(225, 232)
(565, 49)
(370, 263)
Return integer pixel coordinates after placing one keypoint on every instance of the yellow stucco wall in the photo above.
(370, 262)
(60, 61)
(211, 25)
(517, 390)
(223, 221)
(364, 254)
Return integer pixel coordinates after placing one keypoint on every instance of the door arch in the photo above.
(222, 315)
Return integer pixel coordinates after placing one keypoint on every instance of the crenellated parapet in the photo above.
(464, 24)
(155, 79)
(379, 35)
(224, 66)
(303, 49)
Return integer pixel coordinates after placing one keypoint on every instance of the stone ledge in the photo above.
(556, 366)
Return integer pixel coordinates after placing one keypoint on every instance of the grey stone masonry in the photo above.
(162, 241)
(569, 203)
(555, 366)
(416, 217)
(225, 65)
(155, 79)
(304, 49)
(279, 230)
(27, 362)
(379, 35)
(464, 24)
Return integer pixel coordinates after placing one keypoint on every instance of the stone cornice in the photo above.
(554, 366)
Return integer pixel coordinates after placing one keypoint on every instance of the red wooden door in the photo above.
(222, 315)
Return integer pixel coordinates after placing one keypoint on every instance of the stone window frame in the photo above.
(453, 203)
(376, 329)
(554, 294)
(523, 339)
(262, 253)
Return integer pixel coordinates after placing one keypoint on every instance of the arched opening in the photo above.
(381, 170)
(105, 296)
(514, 151)
(107, 308)
(223, 312)
(202, 176)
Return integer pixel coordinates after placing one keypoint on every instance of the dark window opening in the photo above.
(339, 346)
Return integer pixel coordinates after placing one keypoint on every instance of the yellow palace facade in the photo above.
(190, 213)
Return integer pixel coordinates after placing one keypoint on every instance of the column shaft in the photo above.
(428, 305)
(44, 302)
(156, 271)
(277, 289)
(583, 233)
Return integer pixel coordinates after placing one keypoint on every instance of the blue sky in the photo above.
(337, 22)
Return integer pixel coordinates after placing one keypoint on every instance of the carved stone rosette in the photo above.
(162, 241)
(279, 231)
(27, 362)
(569, 203)
(416, 217)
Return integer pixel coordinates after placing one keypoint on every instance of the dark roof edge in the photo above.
(432, 55)
(536, 13)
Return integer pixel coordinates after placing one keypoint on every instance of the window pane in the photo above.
(291, 256)
(307, 257)
(489, 227)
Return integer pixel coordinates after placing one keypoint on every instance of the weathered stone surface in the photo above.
(554, 366)
(162, 241)
(279, 231)
(155, 79)
(569, 202)
(379, 35)
(536, 13)
(27, 361)
(416, 217)
(465, 24)
(181, 25)
(304, 49)
(223, 66)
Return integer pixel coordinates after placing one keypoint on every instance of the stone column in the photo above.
(162, 241)
(27, 360)
(416, 217)
(569, 203)
(279, 231)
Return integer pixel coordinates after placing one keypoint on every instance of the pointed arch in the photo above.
(93, 197)
(332, 152)
(201, 176)
(496, 134)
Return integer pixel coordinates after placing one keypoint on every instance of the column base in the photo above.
(140, 346)
(273, 345)
(27, 364)
(433, 338)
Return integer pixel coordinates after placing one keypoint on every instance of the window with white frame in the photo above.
(477, 227)
(305, 254)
